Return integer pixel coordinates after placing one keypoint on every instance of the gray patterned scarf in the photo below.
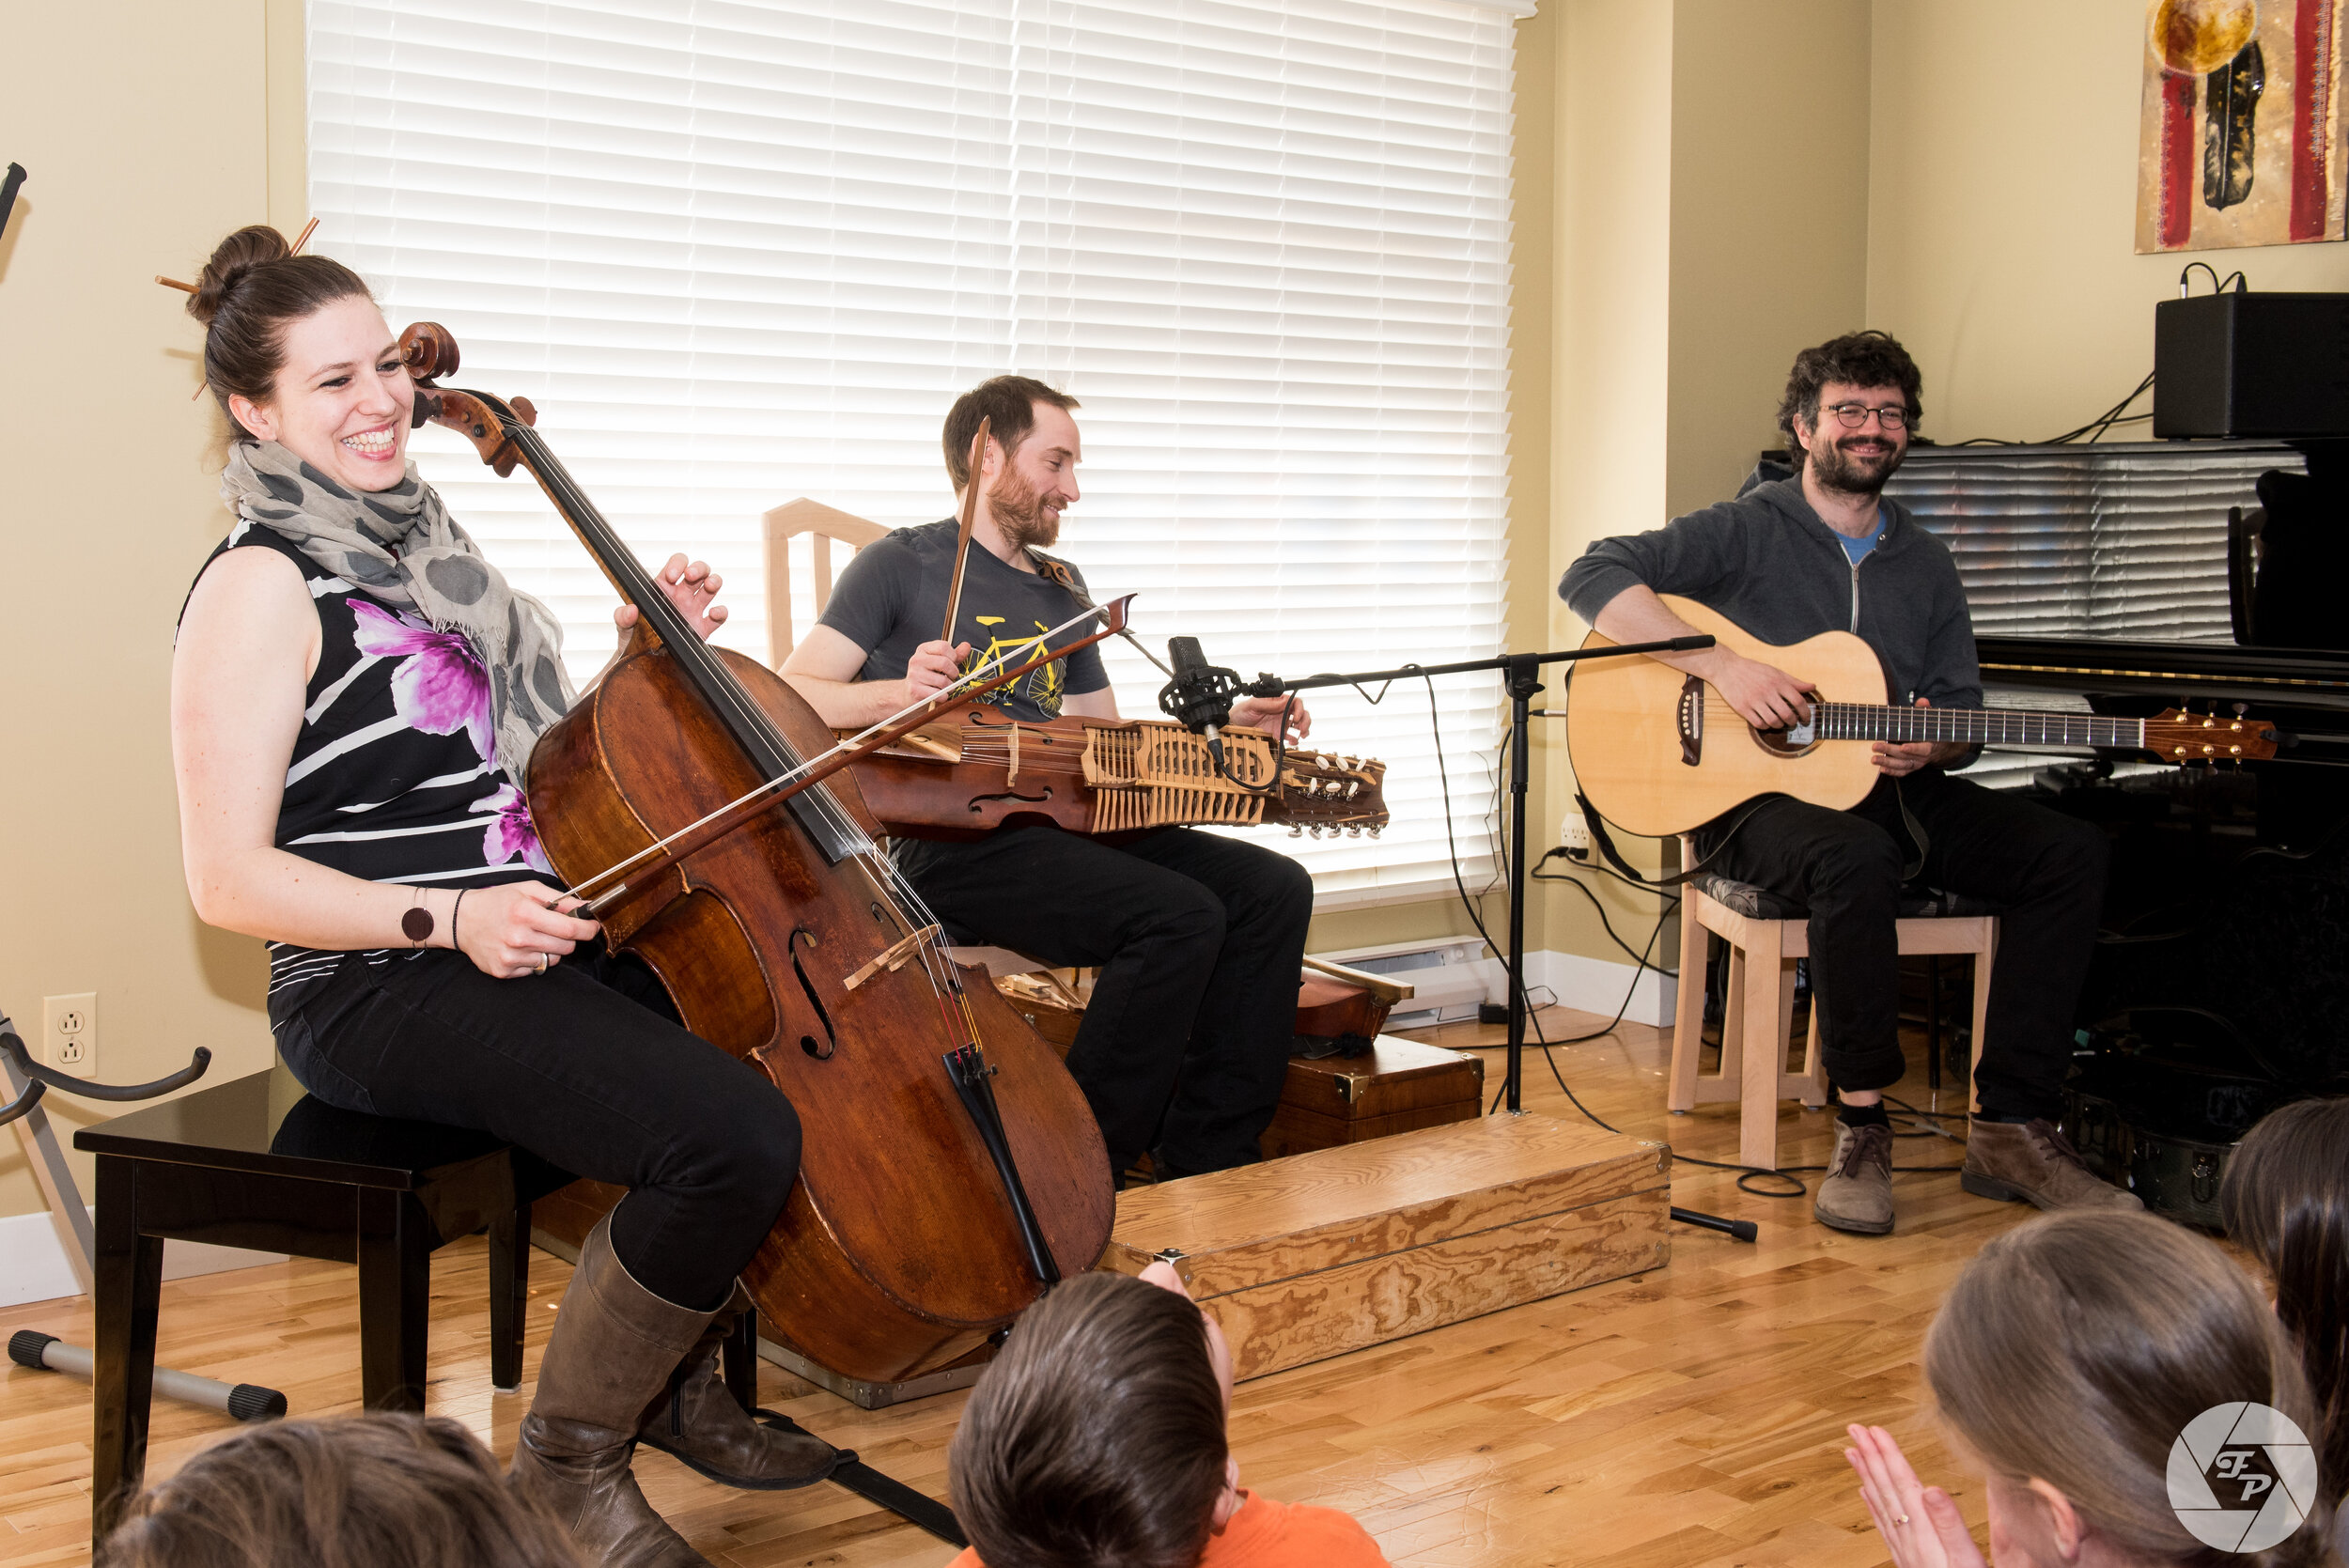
(402, 546)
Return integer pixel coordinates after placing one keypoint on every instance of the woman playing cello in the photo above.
(354, 693)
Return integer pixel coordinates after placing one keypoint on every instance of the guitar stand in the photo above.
(1523, 680)
(27, 1082)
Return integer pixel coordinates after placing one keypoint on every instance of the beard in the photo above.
(1018, 511)
(1836, 468)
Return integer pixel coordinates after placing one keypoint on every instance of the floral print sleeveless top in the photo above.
(394, 775)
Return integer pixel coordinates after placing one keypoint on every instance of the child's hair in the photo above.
(251, 289)
(1095, 1439)
(2075, 1348)
(377, 1491)
(2286, 1199)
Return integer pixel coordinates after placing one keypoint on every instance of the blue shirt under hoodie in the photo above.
(1772, 565)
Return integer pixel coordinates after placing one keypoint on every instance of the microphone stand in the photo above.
(1523, 673)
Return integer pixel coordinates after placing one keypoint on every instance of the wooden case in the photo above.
(1400, 1086)
(1343, 1247)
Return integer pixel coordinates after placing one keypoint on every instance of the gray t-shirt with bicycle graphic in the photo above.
(892, 598)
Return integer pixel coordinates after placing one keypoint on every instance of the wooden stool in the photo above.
(258, 1164)
(1765, 935)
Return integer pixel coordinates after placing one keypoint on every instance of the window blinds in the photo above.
(2120, 540)
(2127, 539)
(742, 252)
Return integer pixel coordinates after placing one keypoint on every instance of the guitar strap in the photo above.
(1059, 575)
(1613, 856)
(1918, 839)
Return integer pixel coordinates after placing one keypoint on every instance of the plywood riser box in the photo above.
(1346, 1248)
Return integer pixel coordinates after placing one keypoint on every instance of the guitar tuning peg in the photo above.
(1353, 829)
(1374, 833)
(1296, 829)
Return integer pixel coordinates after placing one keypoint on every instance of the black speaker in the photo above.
(2251, 364)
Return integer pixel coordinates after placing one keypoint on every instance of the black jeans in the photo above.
(586, 1067)
(1198, 938)
(2045, 870)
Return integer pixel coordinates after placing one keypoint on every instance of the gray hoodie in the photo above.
(1767, 562)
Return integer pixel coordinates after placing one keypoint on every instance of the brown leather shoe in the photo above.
(2031, 1161)
(1856, 1194)
(615, 1345)
(700, 1423)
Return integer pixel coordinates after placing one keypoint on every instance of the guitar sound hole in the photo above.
(1785, 743)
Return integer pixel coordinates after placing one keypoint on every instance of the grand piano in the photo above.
(2132, 576)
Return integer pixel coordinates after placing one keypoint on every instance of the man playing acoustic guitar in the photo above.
(1820, 551)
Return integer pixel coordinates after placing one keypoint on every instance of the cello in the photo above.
(951, 1170)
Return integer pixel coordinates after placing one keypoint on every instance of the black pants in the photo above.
(2046, 870)
(586, 1067)
(1198, 938)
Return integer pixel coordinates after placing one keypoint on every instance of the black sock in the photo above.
(1865, 1116)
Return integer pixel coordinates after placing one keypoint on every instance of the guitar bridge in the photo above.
(1691, 722)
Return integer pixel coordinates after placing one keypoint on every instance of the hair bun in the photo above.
(255, 245)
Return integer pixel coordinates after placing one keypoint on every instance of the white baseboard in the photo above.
(1598, 986)
(33, 1264)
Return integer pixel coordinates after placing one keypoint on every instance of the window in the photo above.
(741, 254)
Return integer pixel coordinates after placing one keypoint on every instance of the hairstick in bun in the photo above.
(307, 229)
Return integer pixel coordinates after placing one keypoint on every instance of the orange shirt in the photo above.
(1268, 1534)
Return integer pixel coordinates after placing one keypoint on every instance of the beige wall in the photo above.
(2001, 199)
(145, 131)
(1695, 250)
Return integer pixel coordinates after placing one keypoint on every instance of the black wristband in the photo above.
(453, 910)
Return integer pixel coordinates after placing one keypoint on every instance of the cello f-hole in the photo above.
(820, 1050)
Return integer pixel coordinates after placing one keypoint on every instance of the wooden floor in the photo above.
(1692, 1416)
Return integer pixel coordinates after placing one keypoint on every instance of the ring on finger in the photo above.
(543, 963)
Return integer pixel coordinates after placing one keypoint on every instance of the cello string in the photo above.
(718, 685)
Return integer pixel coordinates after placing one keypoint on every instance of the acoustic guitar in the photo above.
(1660, 752)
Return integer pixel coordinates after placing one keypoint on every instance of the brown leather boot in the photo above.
(615, 1345)
(2019, 1161)
(1856, 1194)
(699, 1422)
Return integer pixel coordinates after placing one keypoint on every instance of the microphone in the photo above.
(1200, 695)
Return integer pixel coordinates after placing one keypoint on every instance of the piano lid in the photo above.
(2174, 671)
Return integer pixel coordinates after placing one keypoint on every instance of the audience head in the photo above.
(1095, 1439)
(1866, 368)
(2286, 1199)
(2069, 1358)
(357, 1492)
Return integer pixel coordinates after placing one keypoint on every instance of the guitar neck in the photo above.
(1974, 727)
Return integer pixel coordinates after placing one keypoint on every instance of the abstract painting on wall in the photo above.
(2241, 132)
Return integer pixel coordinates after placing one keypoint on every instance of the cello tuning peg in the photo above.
(525, 409)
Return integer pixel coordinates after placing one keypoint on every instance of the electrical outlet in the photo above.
(69, 1036)
(1575, 834)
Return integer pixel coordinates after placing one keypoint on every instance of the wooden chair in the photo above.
(1765, 935)
(822, 524)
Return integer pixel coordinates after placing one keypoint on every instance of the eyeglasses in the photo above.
(1853, 415)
